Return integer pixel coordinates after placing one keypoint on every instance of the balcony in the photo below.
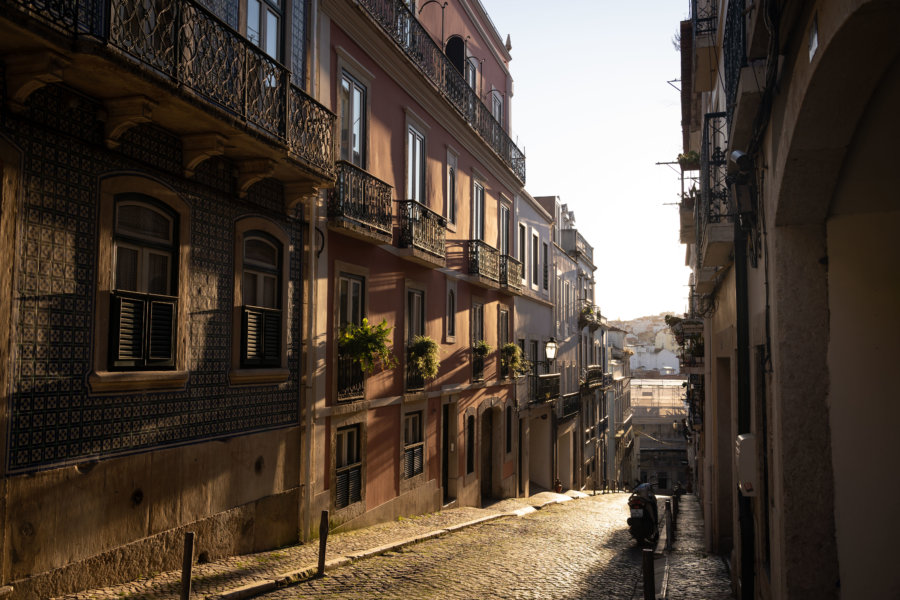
(510, 274)
(175, 64)
(705, 20)
(484, 263)
(415, 381)
(715, 219)
(395, 18)
(608, 380)
(575, 244)
(546, 387)
(570, 406)
(594, 377)
(734, 44)
(351, 381)
(360, 205)
(423, 233)
(691, 365)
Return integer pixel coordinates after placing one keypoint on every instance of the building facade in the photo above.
(791, 117)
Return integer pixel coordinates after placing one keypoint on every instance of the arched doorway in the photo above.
(487, 455)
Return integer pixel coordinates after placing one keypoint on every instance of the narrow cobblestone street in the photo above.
(573, 550)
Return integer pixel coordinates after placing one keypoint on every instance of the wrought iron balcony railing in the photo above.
(186, 47)
(594, 376)
(422, 228)
(546, 387)
(351, 381)
(575, 244)
(735, 50)
(415, 381)
(477, 367)
(570, 405)
(361, 202)
(401, 25)
(704, 17)
(484, 260)
(510, 273)
(714, 201)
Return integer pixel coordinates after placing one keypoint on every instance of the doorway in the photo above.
(487, 454)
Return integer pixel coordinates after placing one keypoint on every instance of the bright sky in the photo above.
(593, 112)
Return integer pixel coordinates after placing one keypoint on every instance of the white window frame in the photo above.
(479, 205)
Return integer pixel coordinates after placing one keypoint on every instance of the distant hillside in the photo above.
(643, 329)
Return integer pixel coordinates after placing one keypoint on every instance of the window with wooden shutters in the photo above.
(348, 467)
(143, 301)
(413, 445)
(261, 317)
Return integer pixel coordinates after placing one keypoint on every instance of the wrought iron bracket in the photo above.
(252, 170)
(124, 113)
(199, 147)
(27, 73)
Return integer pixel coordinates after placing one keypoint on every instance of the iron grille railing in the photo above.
(510, 272)
(483, 260)
(735, 51)
(360, 198)
(594, 376)
(401, 25)
(189, 48)
(415, 381)
(351, 381)
(422, 228)
(477, 367)
(570, 405)
(546, 387)
(704, 17)
(714, 203)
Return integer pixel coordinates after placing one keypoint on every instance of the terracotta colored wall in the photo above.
(383, 448)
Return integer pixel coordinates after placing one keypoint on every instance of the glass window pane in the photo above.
(346, 111)
(343, 304)
(272, 34)
(157, 273)
(357, 129)
(253, 22)
(142, 221)
(260, 252)
(356, 302)
(250, 289)
(126, 269)
(269, 291)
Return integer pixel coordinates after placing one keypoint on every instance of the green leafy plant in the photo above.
(481, 348)
(367, 345)
(423, 356)
(513, 360)
(689, 161)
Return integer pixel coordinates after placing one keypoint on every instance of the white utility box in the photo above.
(747, 471)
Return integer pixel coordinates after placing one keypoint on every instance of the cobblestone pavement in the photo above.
(693, 574)
(573, 550)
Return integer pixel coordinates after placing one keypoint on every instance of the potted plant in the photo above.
(423, 356)
(512, 360)
(367, 345)
(586, 317)
(481, 348)
(689, 161)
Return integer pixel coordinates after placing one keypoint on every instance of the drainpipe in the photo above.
(745, 509)
(310, 387)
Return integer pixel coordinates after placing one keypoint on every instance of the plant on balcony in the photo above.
(367, 345)
(689, 161)
(481, 348)
(512, 360)
(423, 356)
(587, 317)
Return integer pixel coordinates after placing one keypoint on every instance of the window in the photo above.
(523, 235)
(348, 467)
(503, 244)
(415, 165)
(350, 309)
(353, 120)
(534, 259)
(503, 333)
(471, 71)
(261, 322)
(477, 322)
(413, 445)
(143, 302)
(546, 266)
(497, 106)
(350, 302)
(263, 18)
(451, 313)
(415, 315)
(470, 444)
(478, 211)
(451, 187)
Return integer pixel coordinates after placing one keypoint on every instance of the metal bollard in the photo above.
(186, 565)
(649, 575)
(323, 539)
(669, 531)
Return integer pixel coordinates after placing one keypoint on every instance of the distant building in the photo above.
(660, 451)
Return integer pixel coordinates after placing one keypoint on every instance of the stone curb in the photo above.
(308, 572)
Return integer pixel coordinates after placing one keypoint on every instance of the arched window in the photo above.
(143, 299)
(456, 52)
(261, 322)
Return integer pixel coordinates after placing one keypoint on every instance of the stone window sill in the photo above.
(258, 376)
(134, 381)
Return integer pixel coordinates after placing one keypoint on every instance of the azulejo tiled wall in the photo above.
(54, 419)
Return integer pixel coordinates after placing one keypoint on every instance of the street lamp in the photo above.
(550, 349)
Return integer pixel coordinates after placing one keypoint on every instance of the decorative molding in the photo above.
(124, 113)
(134, 381)
(199, 147)
(296, 192)
(26, 73)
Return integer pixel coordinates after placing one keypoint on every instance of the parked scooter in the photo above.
(644, 520)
